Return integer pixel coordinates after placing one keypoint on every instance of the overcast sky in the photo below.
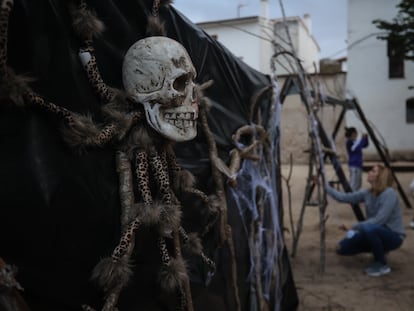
(329, 17)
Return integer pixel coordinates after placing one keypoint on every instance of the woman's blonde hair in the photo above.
(384, 179)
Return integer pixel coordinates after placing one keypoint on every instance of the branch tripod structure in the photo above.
(315, 195)
(322, 148)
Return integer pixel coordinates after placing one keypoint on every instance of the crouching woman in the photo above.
(382, 230)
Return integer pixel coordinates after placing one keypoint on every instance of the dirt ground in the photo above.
(343, 284)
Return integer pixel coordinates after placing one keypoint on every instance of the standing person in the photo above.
(354, 146)
(383, 229)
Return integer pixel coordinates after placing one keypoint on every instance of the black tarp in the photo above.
(60, 209)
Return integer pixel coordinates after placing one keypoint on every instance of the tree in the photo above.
(400, 32)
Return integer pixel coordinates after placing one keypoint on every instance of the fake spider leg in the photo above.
(193, 239)
(88, 59)
(87, 25)
(174, 169)
(171, 162)
(141, 171)
(5, 9)
(80, 131)
(160, 173)
(126, 240)
(177, 174)
(184, 181)
(121, 253)
(74, 123)
(161, 176)
(172, 271)
(172, 275)
(112, 275)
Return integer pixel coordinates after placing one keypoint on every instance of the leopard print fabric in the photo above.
(94, 76)
(165, 257)
(141, 171)
(160, 173)
(6, 7)
(37, 101)
(126, 240)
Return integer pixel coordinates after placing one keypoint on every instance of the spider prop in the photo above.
(159, 108)
(164, 219)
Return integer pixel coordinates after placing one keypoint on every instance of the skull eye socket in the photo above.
(181, 82)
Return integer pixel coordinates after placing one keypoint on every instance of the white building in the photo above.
(252, 40)
(246, 37)
(380, 82)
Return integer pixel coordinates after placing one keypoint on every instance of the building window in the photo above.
(395, 60)
(410, 110)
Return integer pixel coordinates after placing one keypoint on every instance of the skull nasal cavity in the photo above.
(180, 83)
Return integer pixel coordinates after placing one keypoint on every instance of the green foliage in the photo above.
(400, 32)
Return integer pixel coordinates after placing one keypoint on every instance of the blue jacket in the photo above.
(354, 148)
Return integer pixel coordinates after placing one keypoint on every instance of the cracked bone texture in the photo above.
(159, 74)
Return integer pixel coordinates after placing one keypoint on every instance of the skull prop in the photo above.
(158, 73)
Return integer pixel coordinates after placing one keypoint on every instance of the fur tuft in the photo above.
(193, 245)
(114, 113)
(85, 23)
(13, 87)
(172, 276)
(138, 138)
(170, 219)
(149, 215)
(83, 131)
(108, 274)
(155, 27)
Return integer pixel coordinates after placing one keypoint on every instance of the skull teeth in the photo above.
(191, 116)
(182, 124)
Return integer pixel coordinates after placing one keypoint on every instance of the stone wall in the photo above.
(295, 123)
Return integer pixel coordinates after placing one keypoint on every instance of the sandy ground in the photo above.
(343, 284)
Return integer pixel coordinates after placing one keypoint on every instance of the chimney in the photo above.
(265, 9)
(308, 22)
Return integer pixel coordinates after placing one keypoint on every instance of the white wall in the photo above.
(303, 42)
(308, 51)
(266, 48)
(383, 100)
(241, 39)
(250, 39)
(282, 64)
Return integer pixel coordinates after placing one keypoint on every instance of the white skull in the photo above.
(158, 73)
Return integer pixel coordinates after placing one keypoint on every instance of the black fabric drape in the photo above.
(59, 210)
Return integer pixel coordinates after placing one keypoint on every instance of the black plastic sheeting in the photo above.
(59, 210)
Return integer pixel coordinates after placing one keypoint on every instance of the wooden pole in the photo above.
(381, 153)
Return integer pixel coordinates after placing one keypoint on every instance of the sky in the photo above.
(329, 17)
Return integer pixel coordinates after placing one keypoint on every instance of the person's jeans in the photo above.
(355, 178)
(371, 238)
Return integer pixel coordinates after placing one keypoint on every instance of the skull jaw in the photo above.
(176, 129)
